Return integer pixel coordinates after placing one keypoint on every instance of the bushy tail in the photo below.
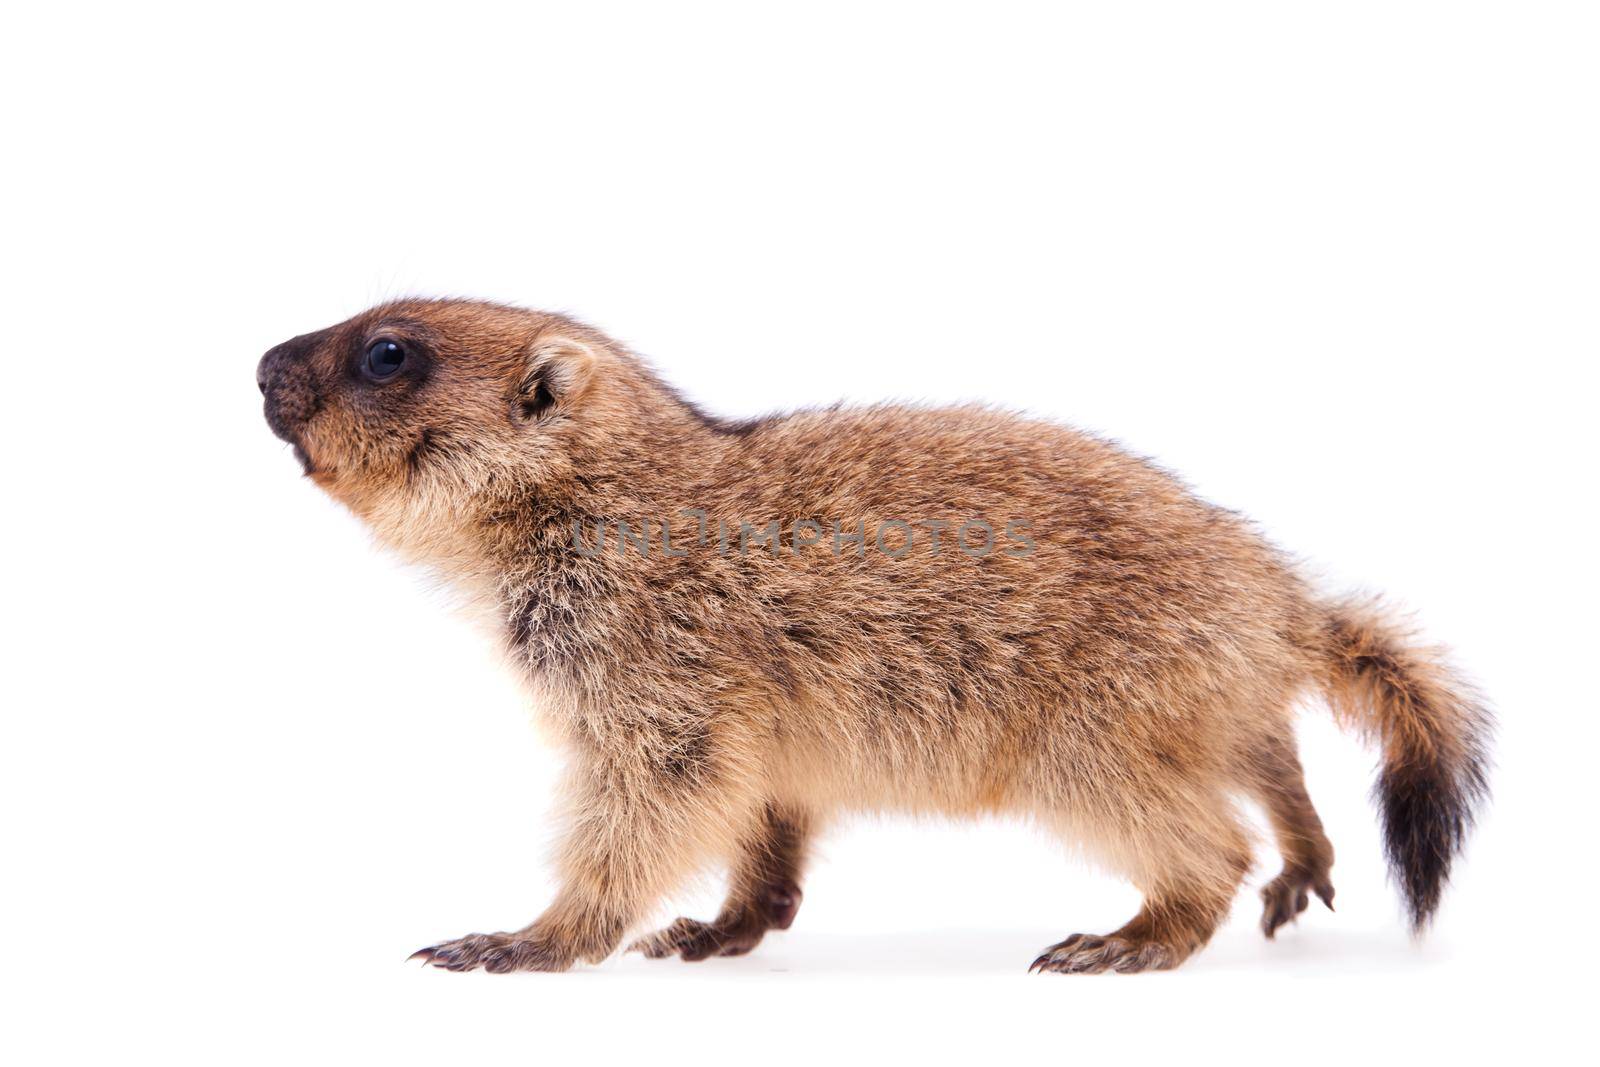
(1434, 732)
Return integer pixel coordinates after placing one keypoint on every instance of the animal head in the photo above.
(417, 414)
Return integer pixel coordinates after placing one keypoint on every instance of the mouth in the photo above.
(286, 425)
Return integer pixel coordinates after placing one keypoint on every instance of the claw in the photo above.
(1286, 896)
(1081, 954)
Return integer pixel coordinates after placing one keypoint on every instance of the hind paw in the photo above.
(1289, 894)
(1087, 954)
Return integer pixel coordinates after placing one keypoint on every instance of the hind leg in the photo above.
(764, 895)
(1189, 869)
(1279, 783)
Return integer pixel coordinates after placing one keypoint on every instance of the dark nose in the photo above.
(285, 378)
(280, 358)
(270, 370)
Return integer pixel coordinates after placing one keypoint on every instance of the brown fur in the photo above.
(1121, 683)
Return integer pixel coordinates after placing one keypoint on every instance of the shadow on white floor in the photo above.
(1295, 953)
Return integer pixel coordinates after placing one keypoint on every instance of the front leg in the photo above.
(764, 894)
(637, 826)
(529, 949)
(571, 929)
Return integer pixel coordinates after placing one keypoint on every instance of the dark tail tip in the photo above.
(1427, 813)
(1435, 733)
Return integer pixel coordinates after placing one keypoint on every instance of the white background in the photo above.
(1335, 264)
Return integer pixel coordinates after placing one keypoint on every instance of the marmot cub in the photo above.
(740, 630)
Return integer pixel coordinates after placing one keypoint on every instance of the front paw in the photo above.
(496, 953)
(693, 940)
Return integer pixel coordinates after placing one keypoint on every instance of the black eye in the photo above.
(384, 360)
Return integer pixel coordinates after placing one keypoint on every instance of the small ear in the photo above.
(559, 369)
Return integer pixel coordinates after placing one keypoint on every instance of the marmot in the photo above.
(740, 630)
